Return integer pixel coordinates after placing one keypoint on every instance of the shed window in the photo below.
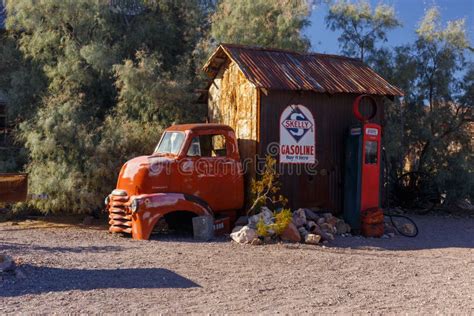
(208, 146)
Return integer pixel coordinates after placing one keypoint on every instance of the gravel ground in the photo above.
(69, 268)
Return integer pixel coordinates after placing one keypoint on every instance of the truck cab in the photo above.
(194, 170)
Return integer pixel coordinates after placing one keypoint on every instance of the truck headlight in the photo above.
(134, 205)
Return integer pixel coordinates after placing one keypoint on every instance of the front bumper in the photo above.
(120, 215)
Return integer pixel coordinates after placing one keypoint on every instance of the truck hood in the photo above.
(145, 174)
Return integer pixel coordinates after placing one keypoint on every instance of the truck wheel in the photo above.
(180, 222)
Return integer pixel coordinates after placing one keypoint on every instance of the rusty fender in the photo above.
(149, 208)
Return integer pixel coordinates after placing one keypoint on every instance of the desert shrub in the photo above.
(264, 191)
(283, 218)
(262, 228)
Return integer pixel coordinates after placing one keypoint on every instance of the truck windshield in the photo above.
(170, 143)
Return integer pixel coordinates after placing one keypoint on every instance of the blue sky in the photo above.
(408, 11)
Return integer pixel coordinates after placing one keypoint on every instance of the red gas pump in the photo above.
(362, 175)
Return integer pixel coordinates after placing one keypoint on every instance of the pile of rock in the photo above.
(316, 227)
(307, 226)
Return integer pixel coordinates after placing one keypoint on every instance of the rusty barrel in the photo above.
(372, 222)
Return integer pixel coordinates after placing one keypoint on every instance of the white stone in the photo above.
(312, 239)
(244, 235)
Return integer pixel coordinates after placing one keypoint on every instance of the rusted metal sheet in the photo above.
(13, 187)
(333, 118)
(287, 70)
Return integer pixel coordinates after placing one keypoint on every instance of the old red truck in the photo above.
(195, 170)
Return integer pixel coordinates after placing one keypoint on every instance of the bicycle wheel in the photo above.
(404, 225)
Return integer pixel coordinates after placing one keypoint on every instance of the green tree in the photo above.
(275, 23)
(360, 25)
(398, 67)
(149, 100)
(104, 63)
(443, 146)
(430, 130)
(22, 84)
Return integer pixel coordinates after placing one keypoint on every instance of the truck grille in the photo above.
(120, 220)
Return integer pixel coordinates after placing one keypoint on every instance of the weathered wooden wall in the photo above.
(333, 118)
(233, 101)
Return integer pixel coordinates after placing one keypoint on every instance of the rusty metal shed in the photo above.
(250, 87)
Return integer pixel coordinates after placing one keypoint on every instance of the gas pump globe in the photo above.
(362, 166)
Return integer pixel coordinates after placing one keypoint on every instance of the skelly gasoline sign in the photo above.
(297, 135)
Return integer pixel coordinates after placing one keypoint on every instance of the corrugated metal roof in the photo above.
(276, 69)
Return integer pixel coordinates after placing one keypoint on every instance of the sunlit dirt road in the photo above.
(69, 268)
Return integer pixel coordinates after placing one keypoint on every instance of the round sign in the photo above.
(356, 108)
